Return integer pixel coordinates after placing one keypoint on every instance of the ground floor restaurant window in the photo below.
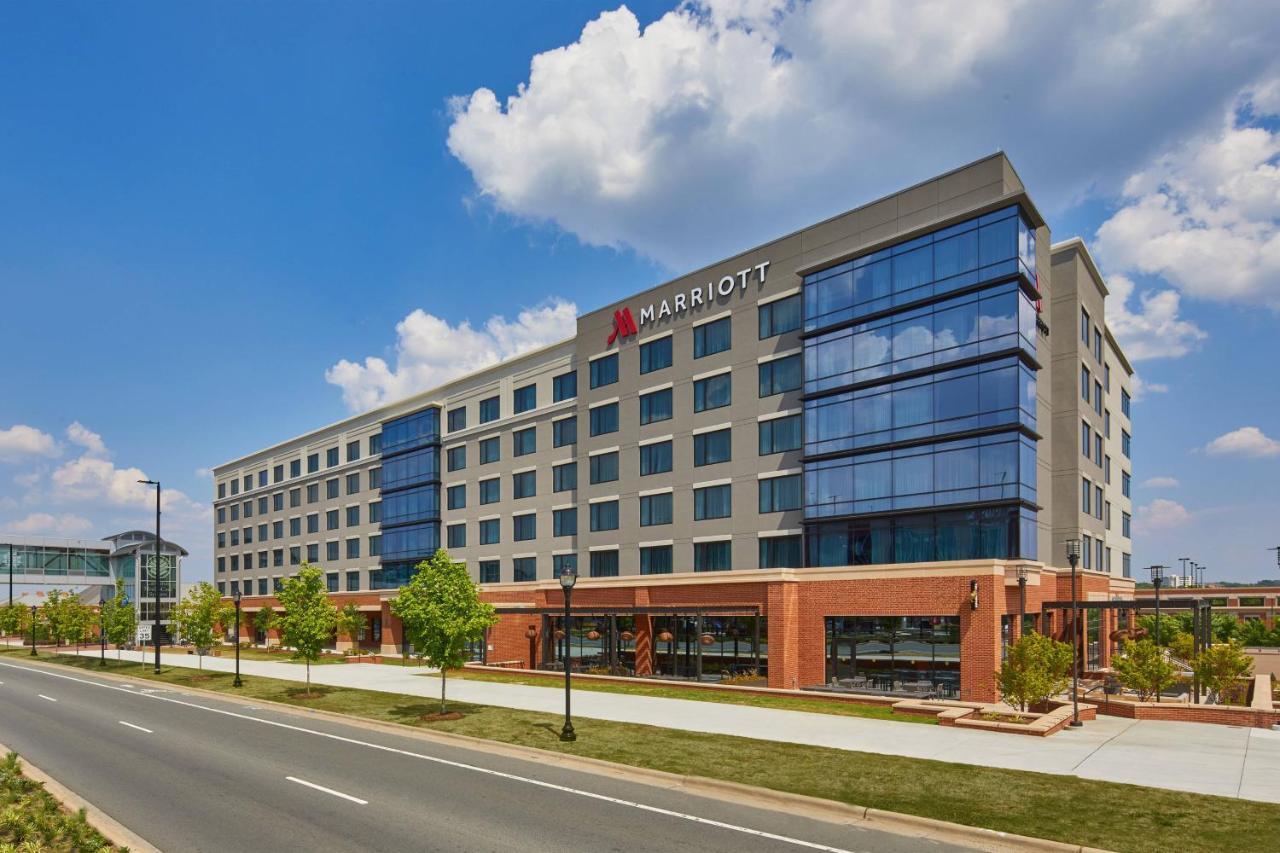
(908, 655)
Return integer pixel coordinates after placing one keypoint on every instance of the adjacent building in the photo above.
(825, 462)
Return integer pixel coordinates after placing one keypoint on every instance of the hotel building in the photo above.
(824, 462)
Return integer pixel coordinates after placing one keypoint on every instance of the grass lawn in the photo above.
(251, 653)
(761, 700)
(1101, 814)
(31, 819)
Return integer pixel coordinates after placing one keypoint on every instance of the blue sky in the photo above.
(225, 224)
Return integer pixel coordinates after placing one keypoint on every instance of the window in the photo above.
(222, 564)
(262, 478)
(779, 494)
(656, 560)
(604, 564)
(353, 483)
(331, 457)
(655, 406)
(235, 487)
(490, 491)
(1097, 345)
(1106, 423)
(560, 563)
(222, 491)
(780, 434)
(295, 468)
(714, 392)
(1126, 483)
(490, 450)
(456, 535)
(1106, 469)
(711, 338)
(711, 556)
(248, 536)
(313, 522)
(1086, 496)
(779, 375)
(331, 489)
(222, 515)
(524, 441)
(277, 528)
(457, 496)
(235, 512)
(313, 463)
(710, 448)
(779, 316)
(235, 562)
(1106, 516)
(277, 502)
(564, 386)
(1084, 326)
(1097, 448)
(353, 450)
(604, 419)
(604, 371)
(295, 498)
(262, 532)
(1085, 379)
(331, 520)
(489, 532)
(489, 572)
(655, 458)
(712, 502)
(524, 569)
(353, 516)
(655, 355)
(655, 509)
(277, 556)
(1106, 376)
(524, 484)
(1125, 401)
(1125, 442)
(277, 474)
(780, 552)
(262, 586)
(295, 555)
(564, 522)
(604, 467)
(1097, 396)
(1086, 445)
(564, 431)
(564, 477)
(523, 399)
(1097, 502)
(1126, 522)
(457, 419)
(222, 539)
(295, 526)
(490, 410)
(375, 512)
(313, 554)
(524, 527)
(313, 492)
(604, 515)
(331, 581)
(353, 581)
(456, 458)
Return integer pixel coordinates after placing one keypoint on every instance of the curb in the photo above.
(737, 793)
(110, 828)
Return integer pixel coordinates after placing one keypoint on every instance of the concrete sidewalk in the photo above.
(1196, 757)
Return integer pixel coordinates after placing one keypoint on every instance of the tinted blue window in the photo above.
(524, 527)
(779, 316)
(524, 484)
(564, 386)
(564, 477)
(712, 556)
(779, 494)
(489, 571)
(458, 496)
(604, 515)
(779, 375)
(655, 510)
(655, 355)
(564, 431)
(411, 431)
(490, 450)
(418, 466)
(604, 564)
(490, 533)
(604, 419)
(524, 441)
(714, 392)
(781, 552)
(655, 406)
(490, 410)
(655, 458)
(656, 560)
(524, 399)
(564, 522)
(996, 533)
(710, 448)
(561, 563)
(778, 435)
(411, 505)
(524, 569)
(419, 540)
(604, 467)
(712, 502)
(490, 491)
(713, 337)
(604, 371)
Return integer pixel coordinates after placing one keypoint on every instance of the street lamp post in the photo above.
(102, 635)
(235, 596)
(10, 574)
(33, 630)
(568, 578)
(1157, 580)
(1022, 599)
(1073, 557)
(155, 629)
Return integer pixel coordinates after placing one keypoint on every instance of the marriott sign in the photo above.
(624, 323)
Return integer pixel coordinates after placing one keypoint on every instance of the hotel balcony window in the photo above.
(560, 563)
(655, 458)
(655, 355)
(710, 448)
(524, 569)
(295, 469)
(778, 435)
(655, 510)
(331, 488)
(564, 478)
(780, 494)
(712, 556)
(564, 386)
(277, 473)
(604, 564)
(780, 375)
(524, 399)
(490, 450)
(564, 431)
(331, 519)
(564, 522)
(604, 516)
(313, 463)
(353, 450)
(712, 502)
(997, 245)
(711, 338)
(408, 469)
(490, 491)
(457, 496)
(993, 320)
(313, 522)
(524, 485)
(655, 406)
(313, 492)
(490, 532)
(353, 515)
(457, 419)
(781, 552)
(489, 572)
(524, 441)
(779, 316)
(604, 419)
(456, 458)
(331, 457)
(604, 371)
(490, 409)
(656, 560)
(456, 535)
(524, 527)
(604, 467)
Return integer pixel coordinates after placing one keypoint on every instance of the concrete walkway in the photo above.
(1196, 757)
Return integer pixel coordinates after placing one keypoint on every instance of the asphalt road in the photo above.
(192, 773)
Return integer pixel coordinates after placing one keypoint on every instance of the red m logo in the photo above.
(624, 326)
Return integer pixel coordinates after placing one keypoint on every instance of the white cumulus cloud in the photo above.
(21, 442)
(1246, 441)
(44, 524)
(1160, 483)
(81, 435)
(1160, 514)
(430, 352)
(1154, 329)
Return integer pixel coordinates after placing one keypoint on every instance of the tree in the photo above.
(201, 617)
(264, 620)
(119, 619)
(1143, 668)
(1036, 668)
(1254, 633)
(56, 615)
(309, 617)
(1220, 668)
(350, 623)
(15, 620)
(1170, 627)
(442, 612)
(1225, 626)
(1183, 646)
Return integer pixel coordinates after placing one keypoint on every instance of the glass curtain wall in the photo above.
(912, 655)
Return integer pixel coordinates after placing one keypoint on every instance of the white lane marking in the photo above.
(500, 774)
(139, 728)
(327, 790)
(49, 698)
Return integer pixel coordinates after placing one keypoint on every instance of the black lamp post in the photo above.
(1157, 580)
(33, 630)
(155, 629)
(102, 635)
(568, 578)
(1073, 557)
(235, 596)
(1022, 599)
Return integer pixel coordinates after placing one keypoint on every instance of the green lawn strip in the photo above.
(286, 656)
(755, 700)
(32, 819)
(1082, 811)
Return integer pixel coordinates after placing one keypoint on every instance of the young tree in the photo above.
(1170, 627)
(350, 623)
(201, 617)
(1143, 668)
(119, 618)
(1183, 646)
(1220, 668)
(309, 617)
(54, 614)
(1036, 668)
(15, 620)
(1254, 633)
(264, 620)
(442, 611)
(1225, 626)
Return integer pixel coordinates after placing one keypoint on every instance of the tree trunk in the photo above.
(443, 680)
(308, 678)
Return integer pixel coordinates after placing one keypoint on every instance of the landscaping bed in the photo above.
(32, 819)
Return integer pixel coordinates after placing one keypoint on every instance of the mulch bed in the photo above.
(440, 718)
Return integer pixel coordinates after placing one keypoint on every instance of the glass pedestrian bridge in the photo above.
(55, 560)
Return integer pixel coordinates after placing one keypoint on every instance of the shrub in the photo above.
(1143, 668)
(1221, 668)
(1036, 668)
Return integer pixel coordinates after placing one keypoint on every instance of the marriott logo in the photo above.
(624, 322)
